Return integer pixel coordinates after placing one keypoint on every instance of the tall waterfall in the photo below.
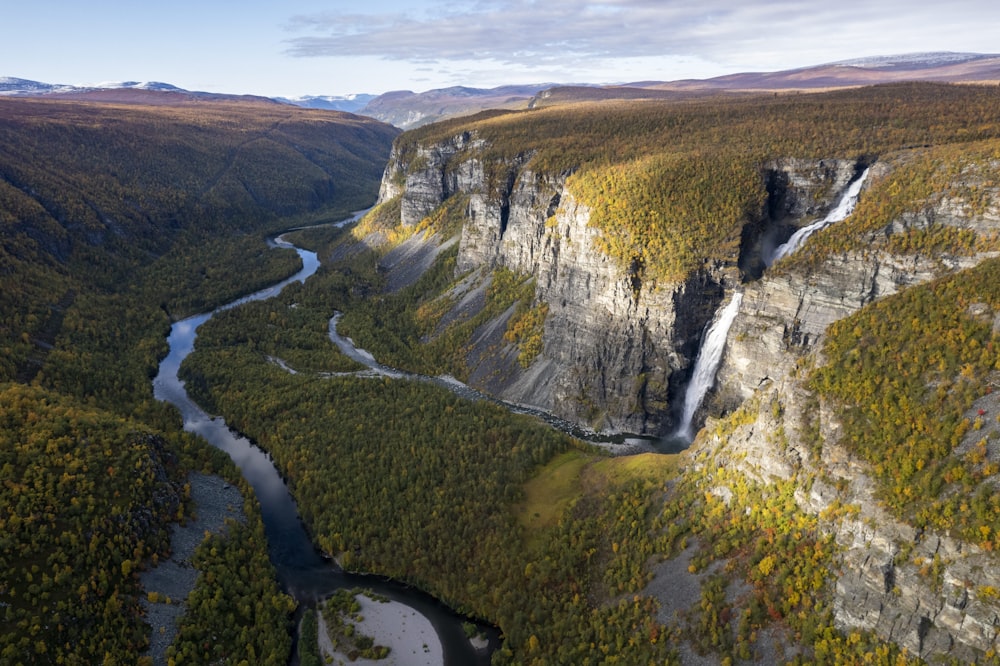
(709, 357)
(710, 354)
(844, 208)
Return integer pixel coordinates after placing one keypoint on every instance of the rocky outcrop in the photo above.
(617, 353)
(785, 316)
(431, 175)
(614, 355)
(924, 590)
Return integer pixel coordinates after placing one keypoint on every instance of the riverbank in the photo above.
(168, 584)
(302, 571)
(410, 637)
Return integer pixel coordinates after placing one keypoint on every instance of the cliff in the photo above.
(616, 356)
(921, 588)
(618, 352)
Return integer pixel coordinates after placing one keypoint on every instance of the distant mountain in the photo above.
(407, 109)
(349, 103)
(944, 67)
(402, 108)
(132, 92)
(23, 87)
(14, 86)
(941, 67)
(915, 60)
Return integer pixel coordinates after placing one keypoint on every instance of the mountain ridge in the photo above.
(407, 109)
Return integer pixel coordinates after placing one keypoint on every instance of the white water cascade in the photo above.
(710, 354)
(844, 208)
(709, 357)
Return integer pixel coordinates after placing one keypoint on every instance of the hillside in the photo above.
(114, 218)
(89, 193)
(836, 504)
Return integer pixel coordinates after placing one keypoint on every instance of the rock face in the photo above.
(926, 591)
(785, 314)
(617, 356)
(614, 357)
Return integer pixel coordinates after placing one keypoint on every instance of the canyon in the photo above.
(618, 353)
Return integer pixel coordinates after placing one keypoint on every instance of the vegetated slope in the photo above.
(110, 217)
(119, 176)
(88, 498)
(634, 219)
(91, 195)
(840, 510)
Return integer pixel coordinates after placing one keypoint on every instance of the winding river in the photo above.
(302, 571)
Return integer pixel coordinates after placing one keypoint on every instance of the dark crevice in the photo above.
(635, 271)
(695, 305)
(553, 205)
(769, 229)
(505, 195)
(504, 214)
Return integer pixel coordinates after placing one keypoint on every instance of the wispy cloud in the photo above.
(529, 33)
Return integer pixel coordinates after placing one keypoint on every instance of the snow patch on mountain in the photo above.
(134, 85)
(13, 86)
(349, 103)
(10, 85)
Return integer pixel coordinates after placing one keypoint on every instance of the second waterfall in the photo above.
(707, 363)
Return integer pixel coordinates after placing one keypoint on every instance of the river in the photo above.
(302, 570)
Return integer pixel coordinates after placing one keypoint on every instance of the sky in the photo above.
(293, 48)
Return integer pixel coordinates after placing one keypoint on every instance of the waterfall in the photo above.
(710, 354)
(844, 208)
(707, 363)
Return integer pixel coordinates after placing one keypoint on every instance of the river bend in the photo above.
(302, 570)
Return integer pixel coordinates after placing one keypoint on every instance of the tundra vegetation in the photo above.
(494, 513)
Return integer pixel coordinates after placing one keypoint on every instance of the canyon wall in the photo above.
(617, 355)
(915, 587)
(610, 358)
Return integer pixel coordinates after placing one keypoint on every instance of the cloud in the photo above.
(512, 31)
(561, 33)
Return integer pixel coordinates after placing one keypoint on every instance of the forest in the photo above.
(118, 219)
(114, 219)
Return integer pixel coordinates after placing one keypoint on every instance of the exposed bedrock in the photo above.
(785, 314)
(617, 353)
